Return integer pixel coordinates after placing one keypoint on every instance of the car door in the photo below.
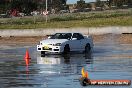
(75, 42)
(82, 41)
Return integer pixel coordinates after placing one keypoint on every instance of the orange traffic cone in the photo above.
(27, 55)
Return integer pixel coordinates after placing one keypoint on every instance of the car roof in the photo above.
(67, 32)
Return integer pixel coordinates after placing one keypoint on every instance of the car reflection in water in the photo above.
(63, 64)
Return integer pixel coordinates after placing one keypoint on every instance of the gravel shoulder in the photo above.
(34, 40)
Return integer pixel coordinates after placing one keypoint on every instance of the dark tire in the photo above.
(85, 81)
(42, 53)
(66, 49)
(87, 48)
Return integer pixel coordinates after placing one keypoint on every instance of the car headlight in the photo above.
(57, 44)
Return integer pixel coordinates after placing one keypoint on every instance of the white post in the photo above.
(46, 11)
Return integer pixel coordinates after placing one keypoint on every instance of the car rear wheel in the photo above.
(66, 49)
(87, 48)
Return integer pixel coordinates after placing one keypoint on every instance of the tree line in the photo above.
(119, 3)
(27, 6)
(99, 3)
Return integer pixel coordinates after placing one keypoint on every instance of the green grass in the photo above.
(92, 19)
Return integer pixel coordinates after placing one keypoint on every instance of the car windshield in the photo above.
(61, 36)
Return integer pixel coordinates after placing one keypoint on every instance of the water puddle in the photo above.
(108, 60)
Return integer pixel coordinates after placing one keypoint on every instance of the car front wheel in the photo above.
(42, 53)
(87, 48)
(66, 49)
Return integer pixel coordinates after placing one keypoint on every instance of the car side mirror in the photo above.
(74, 38)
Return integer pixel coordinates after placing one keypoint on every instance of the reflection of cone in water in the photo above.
(27, 55)
(27, 68)
(27, 61)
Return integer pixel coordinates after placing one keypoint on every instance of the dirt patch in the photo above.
(125, 38)
(33, 40)
(120, 38)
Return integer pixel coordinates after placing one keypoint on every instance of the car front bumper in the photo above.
(50, 48)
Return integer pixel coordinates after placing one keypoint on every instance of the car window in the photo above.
(61, 36)
(68, 36)
(78, 36)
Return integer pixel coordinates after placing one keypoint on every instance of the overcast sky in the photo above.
(75, 1)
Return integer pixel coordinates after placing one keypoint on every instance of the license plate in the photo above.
(46, 47)
(47, 61)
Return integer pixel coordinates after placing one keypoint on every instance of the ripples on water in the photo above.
(113, 61)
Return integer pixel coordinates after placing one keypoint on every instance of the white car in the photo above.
(65, 42)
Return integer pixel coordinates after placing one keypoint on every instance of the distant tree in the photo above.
(98, 3)
(88, 5)
(4, 5)
(64, 1)
(25, 6)
(59, 4)
(28, 6)
(130, 3)
(119, 3)
(81, 4)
